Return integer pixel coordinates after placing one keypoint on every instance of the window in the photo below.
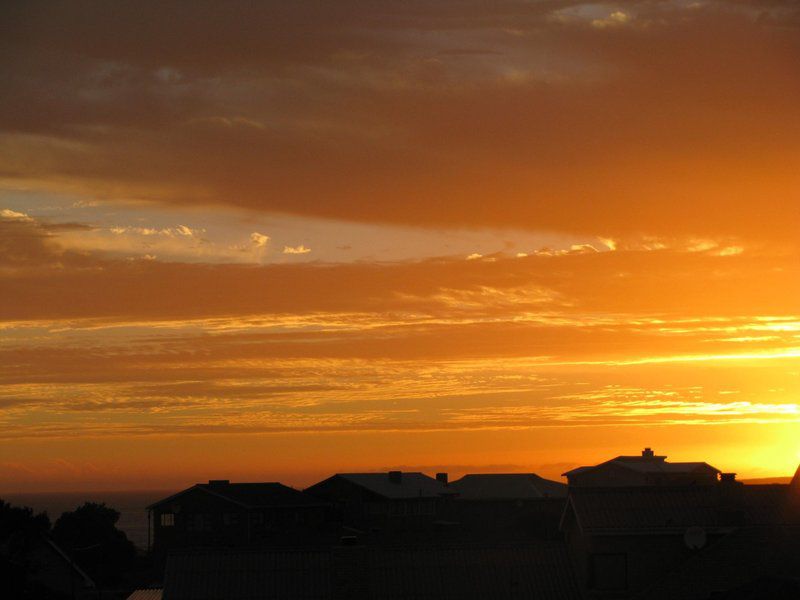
(167, 520)
(199, 522)
(608, 571)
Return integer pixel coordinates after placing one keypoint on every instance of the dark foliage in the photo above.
(89, 534)
(16, 520)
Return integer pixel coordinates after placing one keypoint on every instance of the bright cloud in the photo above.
(301, 249)
(259, 239)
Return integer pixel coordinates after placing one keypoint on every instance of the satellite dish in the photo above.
(695, 538)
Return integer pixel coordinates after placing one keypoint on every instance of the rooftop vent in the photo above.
(727, 477)
(395, 476)
(441, 478)
(648, 453)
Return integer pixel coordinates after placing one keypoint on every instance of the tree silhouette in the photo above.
(90, 535)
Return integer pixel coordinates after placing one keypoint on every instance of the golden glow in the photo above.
(460, 240)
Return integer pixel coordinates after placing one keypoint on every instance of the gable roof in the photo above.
(507, 486)
(217, 574)
(63, 556)
(410, 485)
(146, 594)
(492, 572)
(251, 495)
(644, 464)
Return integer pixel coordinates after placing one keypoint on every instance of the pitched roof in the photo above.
(531, 570)
(63, 556)
(410, 485)
(526, 570)
(512, 486)
(645, 464)
(251, 495)
(795, 483)
(242, 574)
(146, 594)
(744, 560)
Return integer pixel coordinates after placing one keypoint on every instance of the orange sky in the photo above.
(278, 241)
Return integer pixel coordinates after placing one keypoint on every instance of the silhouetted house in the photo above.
(507, 486)
(625, 540)
(750, 563)
(224, 513)
(393, 500)
(540, 571)
(508, 506)
(34, 566)
(647, 469)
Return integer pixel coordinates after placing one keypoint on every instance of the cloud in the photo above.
(615, 19)
(301, 249)
(13, 215)
(497, 116)
(259, 239)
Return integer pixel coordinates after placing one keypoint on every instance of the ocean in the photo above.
(132, 507)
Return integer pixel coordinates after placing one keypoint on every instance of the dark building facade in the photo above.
(508, 506)
(220, 513)
(628, 540)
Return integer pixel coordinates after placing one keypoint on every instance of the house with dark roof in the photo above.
(507, 486)
(385, 501)
(624, 540)
(508, 506)
(647, 469)
(539, 570)
(749, 564)
(221, 513)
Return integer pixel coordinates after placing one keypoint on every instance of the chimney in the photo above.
(395, 476)
(441, 478)
(218, 482)
(648, 453)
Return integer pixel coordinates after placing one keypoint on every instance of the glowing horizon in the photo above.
(280, 241)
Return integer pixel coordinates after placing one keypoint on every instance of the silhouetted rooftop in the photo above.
(507, 486)
(649, 464)
(541, 570)
(251, 495)
(146, 594)
(407, 485)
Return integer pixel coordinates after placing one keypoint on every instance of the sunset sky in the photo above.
(272, 241)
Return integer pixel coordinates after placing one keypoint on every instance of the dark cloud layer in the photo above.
(549, 115)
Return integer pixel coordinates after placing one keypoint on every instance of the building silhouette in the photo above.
(633, 528)
(646, 470)
(221, 513)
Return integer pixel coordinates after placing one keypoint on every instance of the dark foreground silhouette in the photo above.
(633, 527)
